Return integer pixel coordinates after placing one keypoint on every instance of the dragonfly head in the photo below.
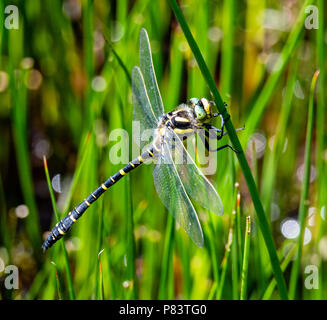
(202, 108)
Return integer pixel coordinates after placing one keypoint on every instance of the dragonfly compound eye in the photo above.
(207, 105)
(193, 101)
(200, 112)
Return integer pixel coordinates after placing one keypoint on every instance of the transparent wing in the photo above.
(172, 193)
(197, 186)
(142, 111)
(146, 66)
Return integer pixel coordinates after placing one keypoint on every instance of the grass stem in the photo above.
(305, 191)
(244, 277)
(55, 210)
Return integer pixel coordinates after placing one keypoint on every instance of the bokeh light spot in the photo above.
(99, 84)
(33, 79)
(290, 228)
(41, 148)
(27, 63)
(72, 9)
(215, 34)
(117, 31)
(22, 211)
(258, 142)
(56, 183)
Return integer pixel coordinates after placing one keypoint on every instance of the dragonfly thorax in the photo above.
(182, 120)
(185, 120)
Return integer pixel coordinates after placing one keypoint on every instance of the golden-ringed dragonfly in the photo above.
(176, 177)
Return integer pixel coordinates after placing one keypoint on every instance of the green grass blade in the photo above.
(4, 230)
(1, 29)
(111, 47)
(212, 291)
(240, 241)
(321, 113)
(99, 294)
(273, 80)
(167, 258)
(55, 210)
(98, 273)
(19, 125)
(305, 190)
(270, 165)
(131, 254)
(236, 245)
(88, 11)
(58, 282)
(225, 261)
(270, 288)
(228, 47)
(130, 238)
(321, 127)
(244, 277)
(237, 145)
(212, 250)
(81, 159)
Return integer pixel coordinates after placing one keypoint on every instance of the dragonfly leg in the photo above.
(222, 124)
(204, 137)
(226, 146)
(222, 128)
(209, 128)
(218, 137)
(219, 134)
(221, 131)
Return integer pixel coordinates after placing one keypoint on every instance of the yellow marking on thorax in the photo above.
(150, 153)
(183, 131)
(181, 119)
(140, 159)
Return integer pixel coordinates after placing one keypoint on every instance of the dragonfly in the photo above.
(177, 179)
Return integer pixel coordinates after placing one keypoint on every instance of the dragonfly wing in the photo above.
(142, 110)
(172, 193)
(197, 186)
(146, 65)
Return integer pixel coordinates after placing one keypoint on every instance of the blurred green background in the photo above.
(65, 86)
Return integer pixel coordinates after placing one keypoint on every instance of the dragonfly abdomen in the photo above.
(63, 226)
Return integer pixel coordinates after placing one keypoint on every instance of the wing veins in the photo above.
(192, 168)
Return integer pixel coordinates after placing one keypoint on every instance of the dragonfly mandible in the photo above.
(177, 178)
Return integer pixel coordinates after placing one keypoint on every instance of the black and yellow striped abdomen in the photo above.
(65, 224)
